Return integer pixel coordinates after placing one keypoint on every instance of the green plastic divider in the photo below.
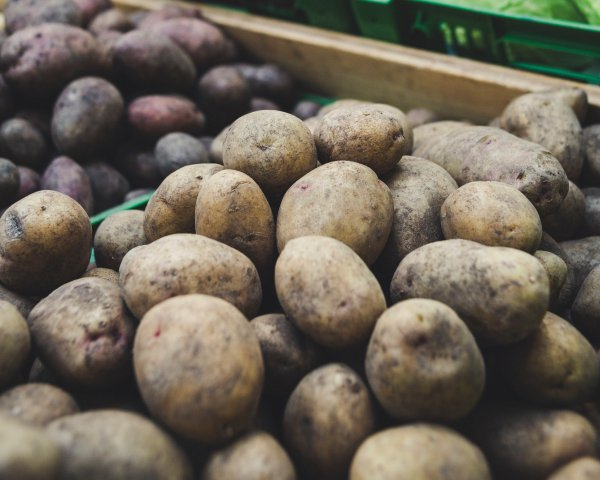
(133, 204)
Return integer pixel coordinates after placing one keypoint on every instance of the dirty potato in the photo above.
(116, 235)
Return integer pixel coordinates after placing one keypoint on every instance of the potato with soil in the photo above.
(45, 241)
(557, 271)
(15, 344)
(591, 216)
(109, 186)
(106, 444)
(86, 116)
(586, 468)
(591, 154)
(343, 200)
(583, 255)
(566, 222)
(66, 176)
(24, 143)
(585, 311)
(471, 154)
(137, 162)
(418, 452)
(117, 235)
(83, 333)
(326, 418)
(274, 148)
(501, 293)
(109, 20)
(177, 150)
(172, 207)
(38, 62)
(232, 209)
(20, 14)
(422, 363)
(373, 134)
(185, 263)
(217, 402)
(37, 404)
(494, 214)
(9, 182)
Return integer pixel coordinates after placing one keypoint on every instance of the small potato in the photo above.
(37, 404)
(21, 303)
(138, 163)
(112, 19)
(45, 241)
(326, 418)
(15, 344)
(23, 143)
(272, 82)
(583, 255)
(255, 455)
(211, 404)
(566, 222)
(105, 444)
(557, 271)
(591, 151)
(343, 200)
(274, 148)
(154, 116)
(90, 8)
(86, 116)
(83, 333)
(29, 182)
(501, 293)
(420, 347)
(232, 209)
(494, 214)
(216, 147)
(306, 109)
(116, 236)
(418, 452)
(65, 176)
(375, 135)
(105, 273)
(185, 263)
(585, 311)
(591, 217)
(555, 366)
(177, 150)
(20, 14)
(420, 116)
(171, 208)
(586, 468)
(153, 62)
(288, 355)
(109, 186)
(9, 182)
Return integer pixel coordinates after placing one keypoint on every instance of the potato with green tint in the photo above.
(566, 222)
(15, 344)
(585, 311)
(116, 235)
(586, 468)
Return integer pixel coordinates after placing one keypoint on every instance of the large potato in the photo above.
(566, 222)
(185, 263)
(501, 293)
(343, 200)
(199, 367)
(45, 241)
(116, 235)
(585, 311)
(15, 344)
(66, 176)
(21, 14)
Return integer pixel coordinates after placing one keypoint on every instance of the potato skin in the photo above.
(557, 271)
(492, 213)
(45, 241)
(109, 186)
(21, 14)
(566, 222)
(20, 302)
(105, 273)
(326, 418)
(66, 176)
(418, 452)
(90, 8)
(15, 343)
(591, 150)
(585, 311)
(112, 19)
(425, 133)
(363, 222)
(501, 294)
(23, 143)
(591, 217)
(210, 405)
(586, 468)
(104, 444)
(583, 255)
(176, 150)
(184, 263)
(116, 236)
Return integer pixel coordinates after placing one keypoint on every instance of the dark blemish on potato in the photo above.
(303, 187)
(157, 333)
(13, 226)
(521, 176)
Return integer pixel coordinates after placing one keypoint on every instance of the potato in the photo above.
(557, 271)
(586, 468)
(272, 82)
(9, 182)
(167, 12)
(566, 222)
(20, 14)
(185, 263)
(45, 241)
(375, 135)
(153, 62)
(7, 99)
(306, 109)
(549, 122)
(90, 8)
(585, 311)
(171, 208)
(37, 404)
(216, 147)
(422, 363)
(21, 303)
(420, 116)
(326, 418)
(105, 273)
(341, 103)
(583, 255)
(38, 117)
(591, 216)
(138, 163)
(109, 186)
(485, 153)
(66, 176)
(15, 344)
(83, 333)
(568, 290)
(232, 209)
(106, 45)
(23, 143)
(255, 455)
(501, 293)
(527, 443)
(157, 115)
(313, 124)
(418, 452)
(29, 182)
(177, 150)
(343, 200)
(27, 453)
(215, 403)
(591, 154)
(39, 61)
(107, 444)
(288, 354)
(116, 236)
(492, 213)
(575, 98)
(429, 131)
(86, 116)
(109, 20)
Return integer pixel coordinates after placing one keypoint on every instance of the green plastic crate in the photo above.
(565, 49)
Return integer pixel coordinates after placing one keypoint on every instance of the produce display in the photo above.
(339, 292)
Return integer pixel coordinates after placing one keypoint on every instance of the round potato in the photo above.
(343, 200)
(211, 404)
(272, 82)
(585, 311)
(177, 150)
(326, 418)
(116, 235)
(21, 14)
(66, 176)
(9, 182)
(45, 241)
(15, 343)
(565, 223)
(109, 186)
(23, 143)
(418, 452)
(185, 263)
(586, 468)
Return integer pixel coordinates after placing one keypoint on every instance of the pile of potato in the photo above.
(350, 292)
